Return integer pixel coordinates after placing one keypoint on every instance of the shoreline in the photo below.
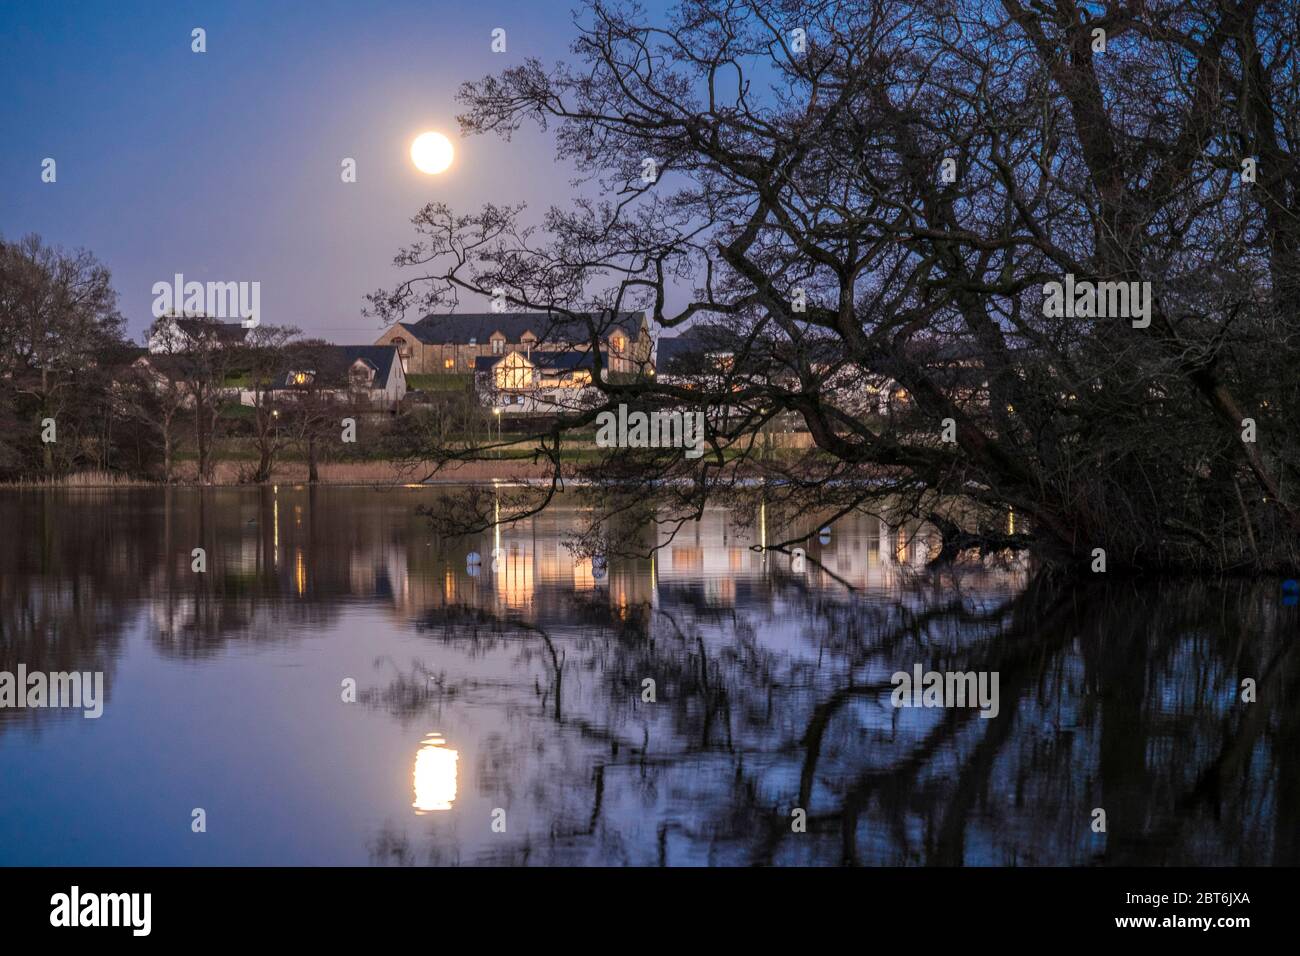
(230, 474)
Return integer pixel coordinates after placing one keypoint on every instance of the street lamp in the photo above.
(497, 411)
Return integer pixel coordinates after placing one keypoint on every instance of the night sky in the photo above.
(225, 165)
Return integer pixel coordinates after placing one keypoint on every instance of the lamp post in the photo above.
(497, 411)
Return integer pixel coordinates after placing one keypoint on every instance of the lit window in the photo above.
(448, 363)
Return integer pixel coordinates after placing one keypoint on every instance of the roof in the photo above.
(688, 349)
(173, 366)
(459, 328)
(562, 361)
(331, 363)
(545, 360)
(222, 331)
(118, 354)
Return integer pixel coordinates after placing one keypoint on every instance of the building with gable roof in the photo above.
(452, 343)
(366, 374)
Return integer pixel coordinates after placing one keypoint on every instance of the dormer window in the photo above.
(361, 373)
(300, 378)
(498, 344)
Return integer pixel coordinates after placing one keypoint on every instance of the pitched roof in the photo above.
(459, 328)
(382, 357)
(176, 367)
(119, 354)
(688, 349)
(331, 363)
(227, 332)
(562, 361)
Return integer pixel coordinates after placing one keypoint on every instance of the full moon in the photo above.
(431, 152)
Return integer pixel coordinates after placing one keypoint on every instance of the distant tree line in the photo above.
(75, 397)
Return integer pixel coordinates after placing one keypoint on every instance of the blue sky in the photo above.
(224, 166)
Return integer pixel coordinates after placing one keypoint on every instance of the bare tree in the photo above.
(58, 311)
(163, 390)
(269, 362)
(877, 196)
(210, 362)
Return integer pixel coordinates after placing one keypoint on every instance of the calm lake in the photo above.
(510, 694)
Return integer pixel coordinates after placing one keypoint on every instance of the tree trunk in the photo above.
(263, 464)
(202, 440)
(47, 452)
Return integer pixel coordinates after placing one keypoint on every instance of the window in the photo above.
(498, 345)
(449, 363)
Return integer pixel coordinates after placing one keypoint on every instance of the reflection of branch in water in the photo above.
(452, 620)
(899, 777)
(390, 848)
(922, 791)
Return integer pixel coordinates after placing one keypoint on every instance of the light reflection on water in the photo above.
(435, 775)
(772, 693)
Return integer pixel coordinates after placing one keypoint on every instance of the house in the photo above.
(186, 372)
(956, 367)
(539, 382)
(370, 375)
(706, 355)
(172, 333)
(452, 343)
(167, 371)
(697, 354)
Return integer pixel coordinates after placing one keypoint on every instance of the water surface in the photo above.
(517, 685)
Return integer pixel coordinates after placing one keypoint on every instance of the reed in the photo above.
(80, 479)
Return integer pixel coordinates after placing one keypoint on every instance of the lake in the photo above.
(502, 712)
